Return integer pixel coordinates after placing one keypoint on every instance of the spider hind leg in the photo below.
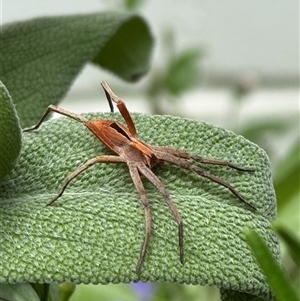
(185, 155)
(181, 159)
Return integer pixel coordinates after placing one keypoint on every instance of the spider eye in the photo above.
(115, 126)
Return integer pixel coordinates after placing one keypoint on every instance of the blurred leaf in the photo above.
(66, 290)
(287, 181)
(133, 4)
(183, 72)
(42, 289)
(229, 295)
(107, 292)
(179, 292)
(255, 131)
(291, 241)
(276, 278)
(18, 292)
(40, 58)
(94, 232)
(29, 292)
(10, 133)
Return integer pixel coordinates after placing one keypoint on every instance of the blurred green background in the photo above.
(233, 64)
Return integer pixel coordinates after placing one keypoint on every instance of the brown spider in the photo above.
(140, 158)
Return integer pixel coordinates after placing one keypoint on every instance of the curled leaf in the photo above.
(10, 133)
(40, 58)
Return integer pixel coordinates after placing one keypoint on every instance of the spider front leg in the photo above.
(79, 170)
(111, 96)
(170, 157)
(52, 108)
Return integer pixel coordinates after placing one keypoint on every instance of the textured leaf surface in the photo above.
(40, 58)
(10, 133)
(93, 233)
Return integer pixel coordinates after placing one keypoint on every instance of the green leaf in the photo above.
(66, 290)
(42, 289)
(276, 277)
(10, 133)
(18, 292)
(31, 292)
(133, 4)
(40, 58)
(292, 242)
(93, 233)
(288, 177)
(258, 130)
(183, 71)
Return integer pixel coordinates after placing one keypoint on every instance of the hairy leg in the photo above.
(61, 111)
(161, 188)
(86, 165)
(111, 96)
(134, 173)
(165, 156)
(186, 155)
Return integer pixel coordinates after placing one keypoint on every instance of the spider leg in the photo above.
(111, 96)
(134, 173)
(187, 165)
(61, 111)
(143, 169)
(86, 165)
(185, 155)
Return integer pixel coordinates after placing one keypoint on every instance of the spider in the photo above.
(140, 158)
